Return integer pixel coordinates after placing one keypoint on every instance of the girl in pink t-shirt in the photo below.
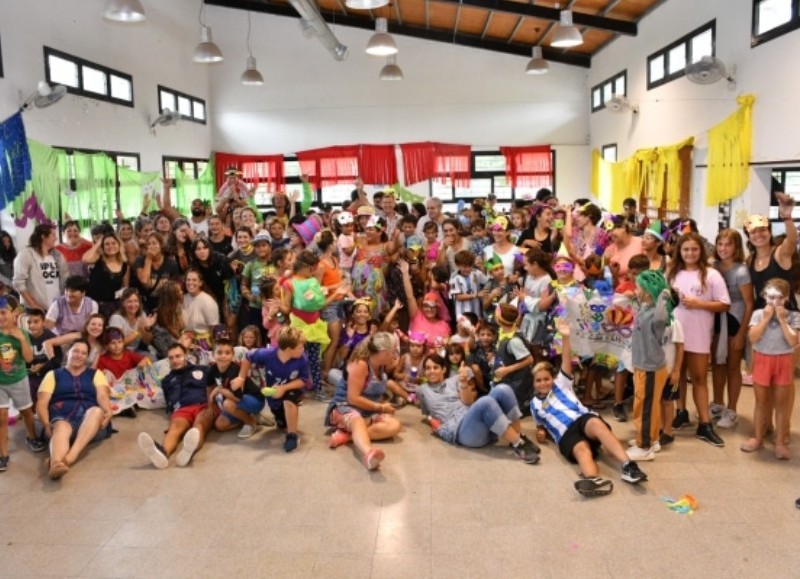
(702, 293)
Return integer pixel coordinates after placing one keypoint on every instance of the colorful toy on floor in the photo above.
(686, 505)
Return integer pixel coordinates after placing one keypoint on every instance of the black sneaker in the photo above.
(3, 463)
(796, 503)
(527, 452)
(618, 412)
(631, 473)
(681, 419)
(291, 442)
(535, 446)
(36, 444)
(666, 439)
(593, 486)
(706, 432)
(128, 413)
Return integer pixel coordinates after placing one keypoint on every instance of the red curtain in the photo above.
(257, 169)
(378, 164)
(428, 160)
(529, 166)
(329, 166)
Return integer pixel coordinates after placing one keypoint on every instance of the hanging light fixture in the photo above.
(124, 11)
(537, 64)
(566, 35)
(390, 70)
(381, 43)
(206, 51)
(366, 4)
(251, 76)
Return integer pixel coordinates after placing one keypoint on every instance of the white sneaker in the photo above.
(640, 454)
(716, 410)
(247, 431)
(264, 420)
(655, 448)
(729, 419)
(191, 440)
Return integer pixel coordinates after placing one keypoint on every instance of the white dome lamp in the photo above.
(391, 71)
(566, 35)
(381, 43)
(537, 64)
(127, 11)
(206, 52)
(251, 76)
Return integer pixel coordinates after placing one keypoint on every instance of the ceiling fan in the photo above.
(43, 96)
(619, 103)
(709, 70)
(167, 118)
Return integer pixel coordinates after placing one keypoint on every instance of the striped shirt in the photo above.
(559, 409)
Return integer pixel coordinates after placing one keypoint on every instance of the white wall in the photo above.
(156, 52)
(680, 108)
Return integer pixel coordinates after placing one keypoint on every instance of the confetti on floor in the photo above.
(686, 505)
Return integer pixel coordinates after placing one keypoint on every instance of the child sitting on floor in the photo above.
(578, 432)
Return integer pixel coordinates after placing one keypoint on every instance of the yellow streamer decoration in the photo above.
(729, 147)
(645, 170)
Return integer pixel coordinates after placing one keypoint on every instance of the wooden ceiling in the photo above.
(508, 26)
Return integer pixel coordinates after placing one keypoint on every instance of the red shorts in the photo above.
(189, 413)
(773, 370)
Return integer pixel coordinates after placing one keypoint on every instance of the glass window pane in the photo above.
(608, 92)
(478, 188)
(291, 168)
(167, 100)
(189, 169)
(442, 190)
(199, 110)
(336, 193)
(170, 169)
(773, 13)
(657, 68)
(121, 88)
(185, 106)
(490, 163)
(201, 168)
(702, 45)
(597, 98)
(610, 153)
(619, 86)
(94, 80)
(129, 162)
(502, 188)
(677, 59)
(63, 71)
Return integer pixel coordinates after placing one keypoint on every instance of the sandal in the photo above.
(57, 470)
(752, 445)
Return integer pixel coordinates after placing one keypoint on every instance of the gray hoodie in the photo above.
(43, 277)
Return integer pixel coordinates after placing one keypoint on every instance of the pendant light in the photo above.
(390, 70)
(365, 4)
(206, 51)
(537, 64)
(566, 35)
(124, 11)
(251, 76)
(381, 43)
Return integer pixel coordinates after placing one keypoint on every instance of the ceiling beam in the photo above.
(441, 35)
(544, 13)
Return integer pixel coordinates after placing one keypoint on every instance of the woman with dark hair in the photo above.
(40, 271)
(459, 416)
(540, 232)
(74, 408)
(74, 247)
(502, 247)
(169, 319)
(452, 243)
(179, 243)
(215, 270)
(623, 246)
(109, 273)
(131, 319)
(418, 210)
(8, 253)
(582, 235)
(152, 269)
(200, 312)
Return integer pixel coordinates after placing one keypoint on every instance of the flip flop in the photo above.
(57, 470)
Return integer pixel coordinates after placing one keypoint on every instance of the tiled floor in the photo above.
(245, 508)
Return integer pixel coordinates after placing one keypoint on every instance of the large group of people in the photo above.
(382, 305)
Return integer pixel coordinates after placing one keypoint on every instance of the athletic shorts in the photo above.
(190, 413)
(19, 392)
(575, 434)
(773, 370)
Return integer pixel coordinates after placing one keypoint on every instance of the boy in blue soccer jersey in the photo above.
(578, 431)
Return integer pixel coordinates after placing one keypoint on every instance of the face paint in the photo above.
(564, 267)
(774, 297)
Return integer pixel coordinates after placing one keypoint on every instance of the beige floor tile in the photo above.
(401, 566)
(403, 539)
(341, 565)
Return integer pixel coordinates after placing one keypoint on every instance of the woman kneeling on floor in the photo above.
(458, 416)
(74, 407)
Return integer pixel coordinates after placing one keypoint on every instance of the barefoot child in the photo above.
(578, 432)
(773, 333)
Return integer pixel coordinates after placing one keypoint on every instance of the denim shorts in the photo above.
(334, 312)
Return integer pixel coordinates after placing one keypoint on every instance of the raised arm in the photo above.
(566, 349)
(408, 288)
(789, 246)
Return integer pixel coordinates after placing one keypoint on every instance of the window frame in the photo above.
(686, 41)
(82, 63)
(192, 101)
(601, 86)
(1, 59)
(773, 204)
(180, 160)
(793, 24)
(609, 147)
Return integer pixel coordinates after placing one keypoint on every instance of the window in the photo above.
(88, 79)
(774, 18)
(191, 108)
(603, 92)
(191, 167)
(788, 181)
(671, 61)
(610, 153)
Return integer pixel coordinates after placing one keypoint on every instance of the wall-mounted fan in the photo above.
(709, 70)
(165, 119)
(44, 96)
(620, 103)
